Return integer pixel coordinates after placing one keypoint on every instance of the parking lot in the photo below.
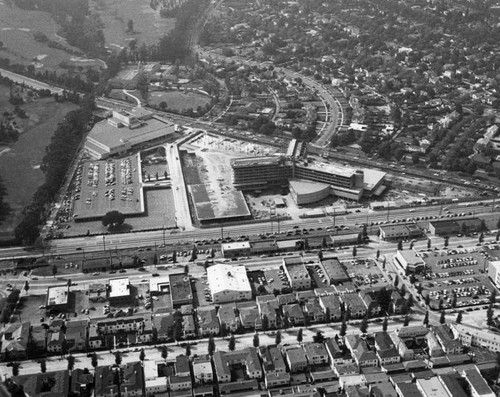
(364, 273)
(276, 281)
(456, 277)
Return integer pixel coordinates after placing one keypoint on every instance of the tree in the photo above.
(15, 369)
(164, 352)
(278, 338)
(174, 257)
(385, 324)
(130, 26)
(343, 328)
(26, 286)
(188, 350)
(142, 355)
(232, 343)
(318, 338)
(211, 345)
(320, 254)
(400, 245)
(256, 340)
(442, 318)
(363, 326)
(354, 252)
(71, 362)
(378, 254)
(94, 360)
(459, 318)
(54, 270)
(396, 281)
(43, 366)
(113, 219)
(118, 357)
(454, 300)
(383, 263)
(489, 315)
(429, 243)
(265, 323)
(493, 296)
(300, 335)
(446, 241)
(481, 237)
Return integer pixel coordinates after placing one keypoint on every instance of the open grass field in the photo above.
(178, 100)
(148, 25)
(19, 164)
(17, 30)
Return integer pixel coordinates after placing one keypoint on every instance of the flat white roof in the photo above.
(431, 387)
(223, 277)
(238, 245)
(57, 295)
(119, 287)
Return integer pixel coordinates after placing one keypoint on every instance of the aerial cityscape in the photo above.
(250, 197)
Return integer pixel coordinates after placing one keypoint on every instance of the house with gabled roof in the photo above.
(275, 373)
(208, 321)
(228, 318)
(360, 351)
(316, 353)
(314, 312)
(331, 305)
(15, 340)
(293, 312)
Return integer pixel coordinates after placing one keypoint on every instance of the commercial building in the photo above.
(431, 387)
(477, 384)
(181, 292)
(494, 272)
(334, 271)
(473, 336)
(297, 274)
(400, 232)
(309, 181)
(409, 260)
(228, 283)
(238, 248)
(57, 297)
(126, 130)
(119, 290)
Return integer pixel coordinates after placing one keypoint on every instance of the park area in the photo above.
(20, 161)
(178, 101)
(148, 26)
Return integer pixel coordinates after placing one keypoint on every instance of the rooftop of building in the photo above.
(256, 161)
(180, 287)
(334, 269)
(296, 268)
(477, 382)
(339, 170)
(57, 295)
(222, 277)
(431, 387)
(119, 287)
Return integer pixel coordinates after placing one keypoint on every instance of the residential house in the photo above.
(224, 361)
(286, 299)
(397, 302)
(360, 351)
(331, 306)
(164, 325)
(228, 318)
(81, 382)
(95, 338)
(316, 353)
(314, 312)
(336, 354)
(182, 365)
(202, 370)
(38, 339)
(305, 296)
(76, 335)
(449, 344)
(274, 367)
(250, 317)
(268, 308)
(55, 342)
(208, 322)
(354, 304)
(178, 383)
(296, 358)
(371, 303)
(35, 384)
(293, 312)
(386, 350)
(131, 380)
(188, 326)
(15, 340)
(433, 347)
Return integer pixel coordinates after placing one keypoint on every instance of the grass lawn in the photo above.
(149, 27)
(19, 164)
(17, 34)
(178, 100)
